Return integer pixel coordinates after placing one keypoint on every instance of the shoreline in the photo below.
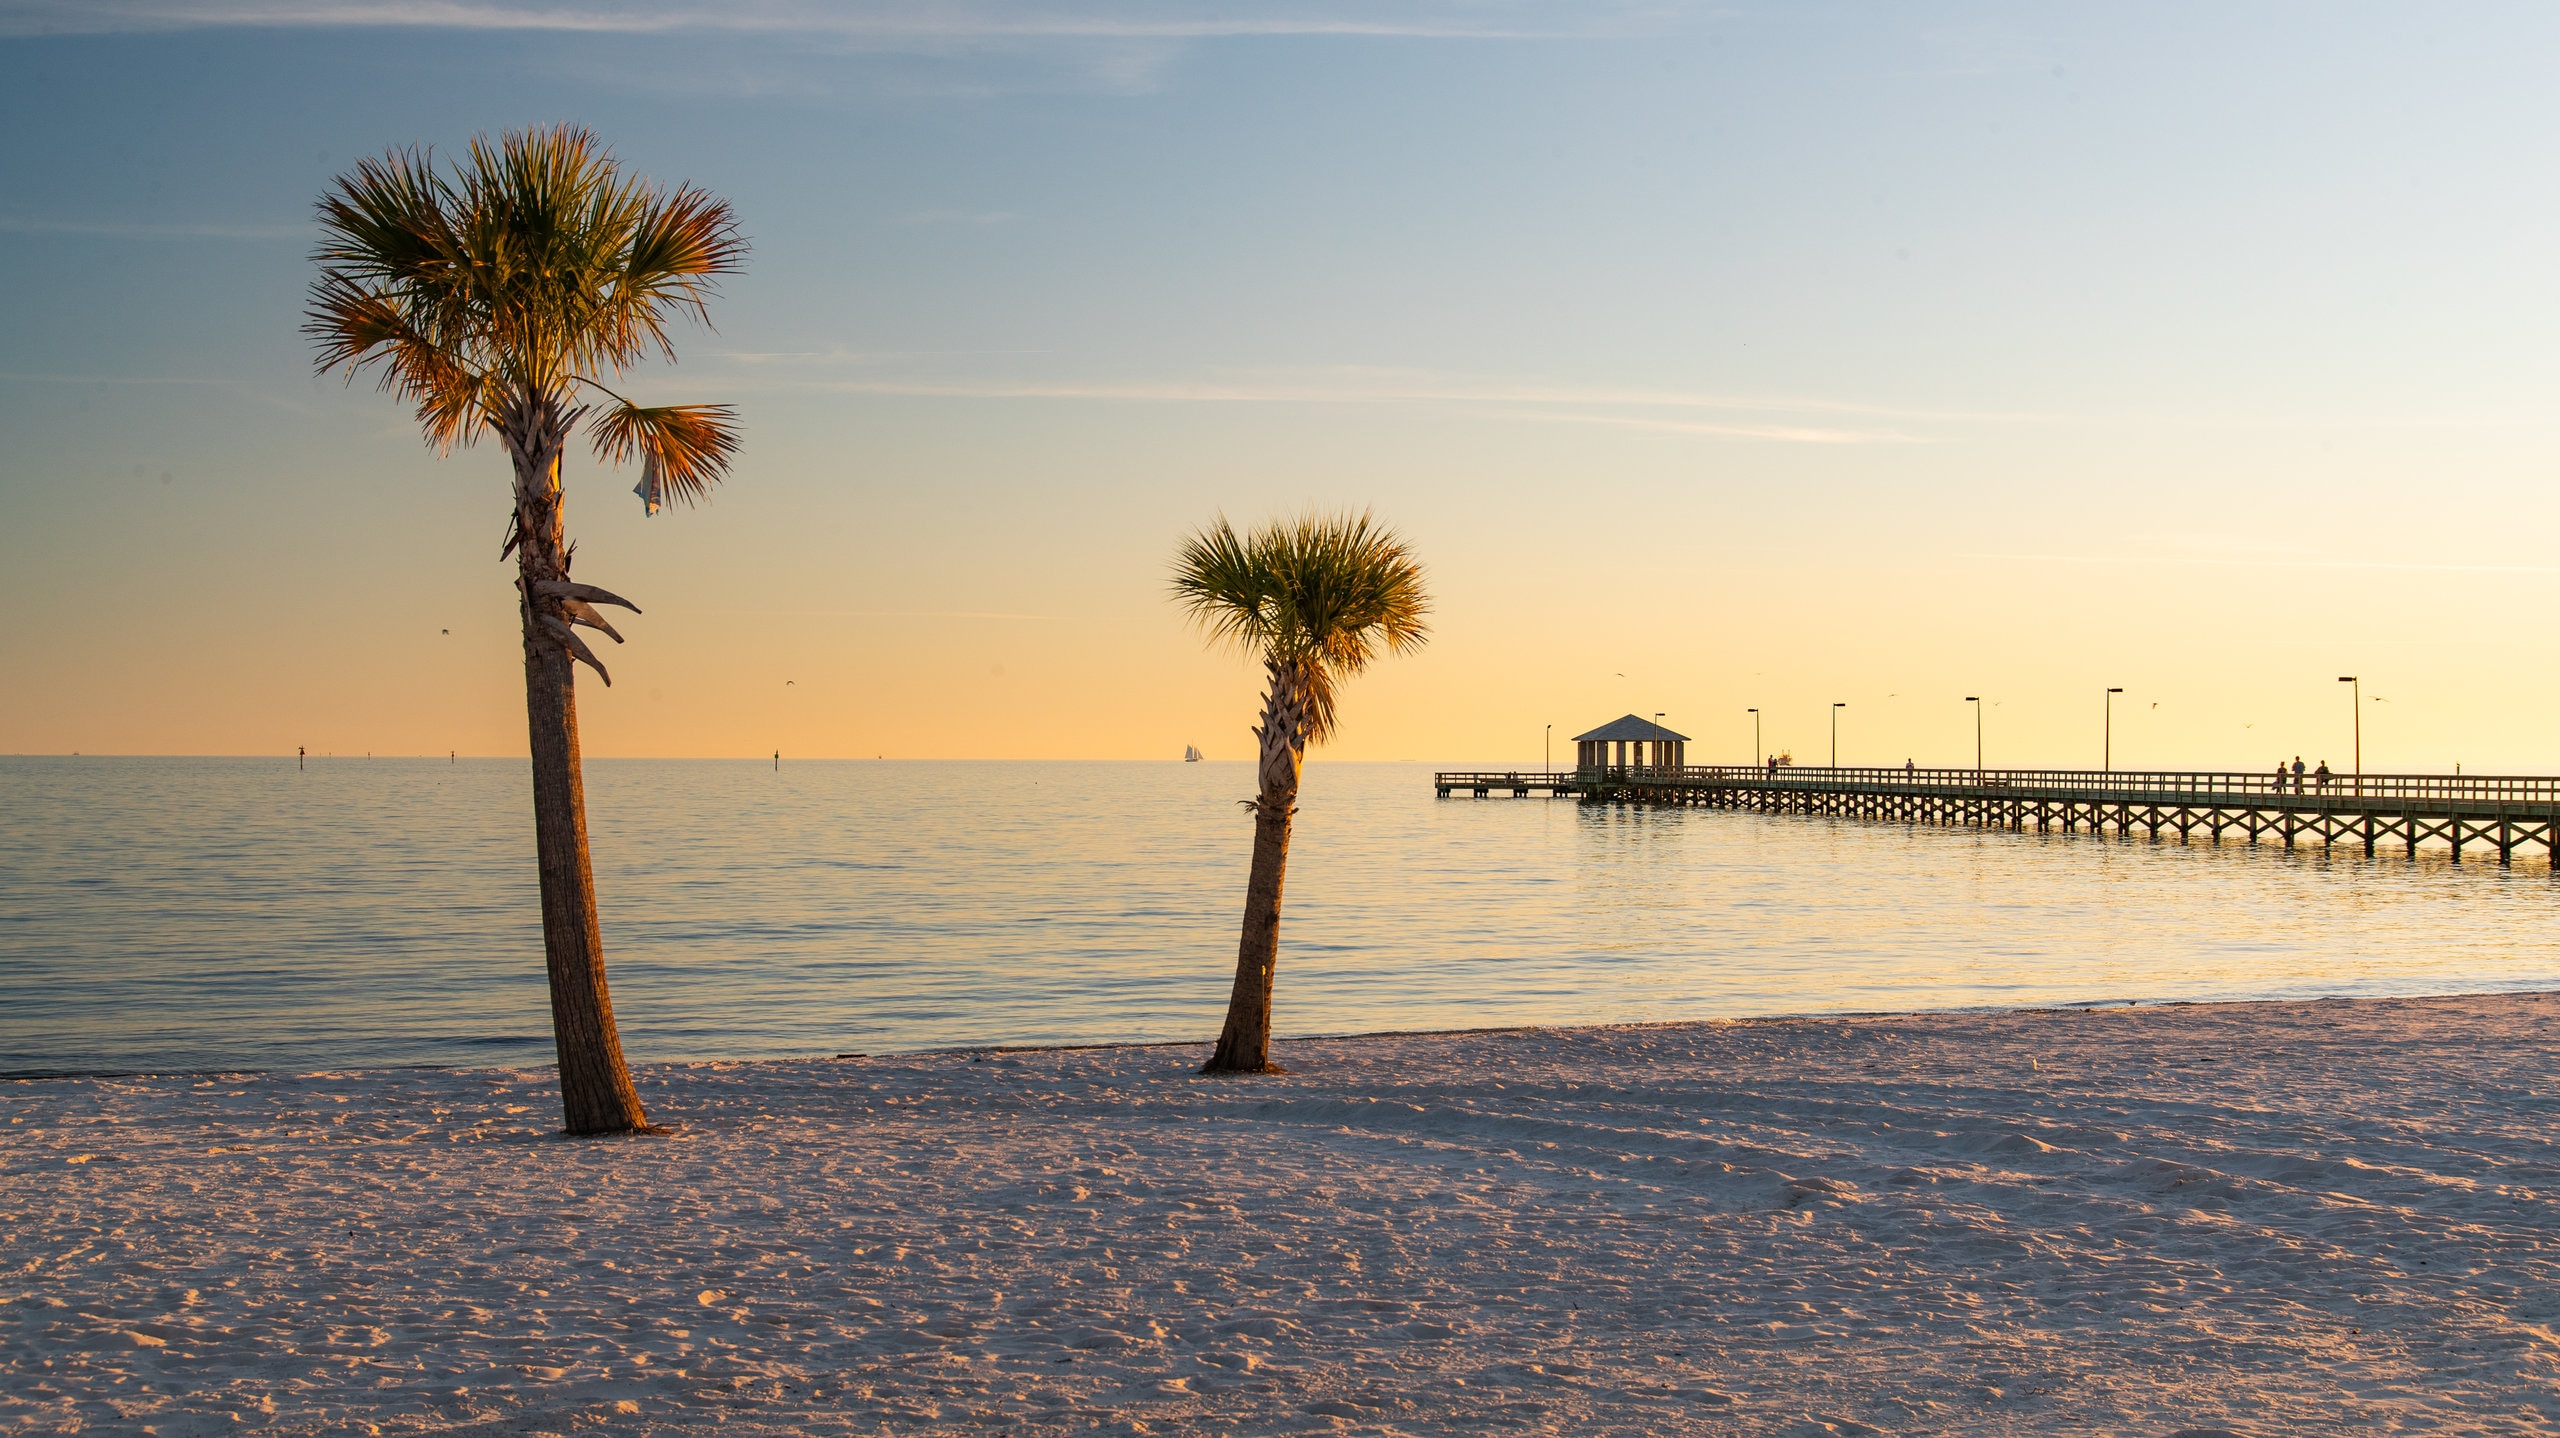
(1110, 1045)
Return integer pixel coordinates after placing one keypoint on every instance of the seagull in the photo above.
(787, 683)
(446, 632)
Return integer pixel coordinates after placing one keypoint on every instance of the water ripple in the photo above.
(206, 913)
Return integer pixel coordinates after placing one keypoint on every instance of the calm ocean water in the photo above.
(200, 913)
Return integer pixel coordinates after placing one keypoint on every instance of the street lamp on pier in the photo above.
(1551, 748)
(2107, 761)
(1976, 701)
(1836, 707)
(2355, 695)
(1756, 755)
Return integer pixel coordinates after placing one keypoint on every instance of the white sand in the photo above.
(2261, 1218)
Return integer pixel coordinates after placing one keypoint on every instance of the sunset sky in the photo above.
(1769, 355)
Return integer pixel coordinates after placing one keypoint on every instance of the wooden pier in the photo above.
(2405, 810)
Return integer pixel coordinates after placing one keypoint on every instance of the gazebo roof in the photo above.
(1633, 727)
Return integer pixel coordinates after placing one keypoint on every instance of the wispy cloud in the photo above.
(895, 21)
(1783, 434)
(242, 388)
(2237, 562)
(1780, 419)
(120, 230)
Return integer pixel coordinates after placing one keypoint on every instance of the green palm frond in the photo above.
(1320, 595)
(1216, 578)
(534, 267)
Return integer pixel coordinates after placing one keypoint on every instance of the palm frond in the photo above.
(684, 449)
(537, 264)
(357, 329)
(389, 221)
(1218, 580)
(678, 246)
(1318, 596)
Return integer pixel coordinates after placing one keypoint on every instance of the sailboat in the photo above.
(1191, 754)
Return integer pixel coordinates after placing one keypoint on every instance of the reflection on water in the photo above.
(182, 913)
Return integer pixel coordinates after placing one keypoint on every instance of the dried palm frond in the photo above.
(683, 448)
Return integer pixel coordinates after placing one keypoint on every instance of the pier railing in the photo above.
(2166, 786)
(2404, 810)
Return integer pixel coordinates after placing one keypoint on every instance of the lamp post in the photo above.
(2107, 759)
(1756, 755)
(1976, 701)
(1836, 707)
(1658, 765)
(2355, 694)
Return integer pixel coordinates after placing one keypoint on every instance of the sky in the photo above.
(1712, 358)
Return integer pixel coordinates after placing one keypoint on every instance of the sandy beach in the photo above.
(2260, 1219)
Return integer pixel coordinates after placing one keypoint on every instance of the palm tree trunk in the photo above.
(596, 1095)
(1244, 1047)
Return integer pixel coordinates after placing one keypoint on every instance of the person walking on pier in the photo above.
(2297, 773)
(2320, 776)
(2279, 776)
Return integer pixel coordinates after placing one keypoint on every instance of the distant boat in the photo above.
(1191, 754)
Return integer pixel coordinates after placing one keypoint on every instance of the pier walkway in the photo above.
(2402, 809)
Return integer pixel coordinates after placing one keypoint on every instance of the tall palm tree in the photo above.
(1316, 599)
(498, 298)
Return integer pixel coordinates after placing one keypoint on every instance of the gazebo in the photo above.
(1634, 743)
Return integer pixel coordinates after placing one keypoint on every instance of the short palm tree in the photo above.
(497, 299)
(1315, 599)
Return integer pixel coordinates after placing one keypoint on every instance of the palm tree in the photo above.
(499, 298)
(1316, 599)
